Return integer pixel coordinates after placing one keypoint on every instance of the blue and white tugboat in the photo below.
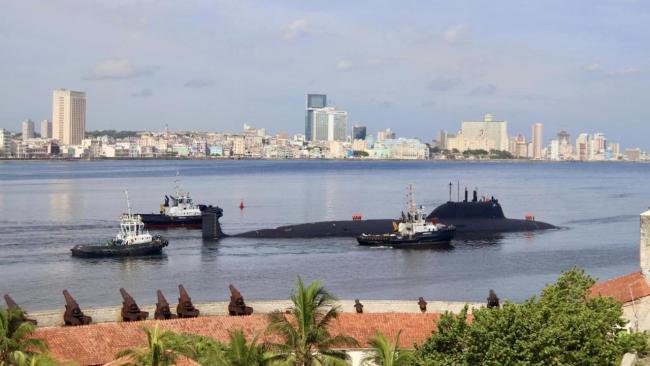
(178, 210)
(131, 240)
(412, 231)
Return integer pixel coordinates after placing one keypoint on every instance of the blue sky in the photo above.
(415, 66)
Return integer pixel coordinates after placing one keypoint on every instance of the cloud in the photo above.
(626, 71)
(592, 67)
(199, 83)
(297, 29)
(119, 69)
(443, 84)
(144, 93)
(343, 65)
(484, 90)
(456, 33)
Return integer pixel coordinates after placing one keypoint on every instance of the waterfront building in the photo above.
(538, 140)
(28, 129)
(583, 147)
(520, 147)
(329, 124)
(615, 149)
(5, 142)
(566, 148)
(480, 135)
(68, 116)
(386, 134)
(554, 149)
(632, 155)
(313, 101)
(358, 132)
(46, 129)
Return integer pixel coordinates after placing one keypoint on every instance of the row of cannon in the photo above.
(130, 311)
(185, 309)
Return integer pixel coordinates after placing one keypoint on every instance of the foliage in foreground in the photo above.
(16, 345)
(564, 326)
(305, 335)
(161, 350)
(386, 353)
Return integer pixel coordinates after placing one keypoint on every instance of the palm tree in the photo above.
(15, 335)
(238, 352)
(21, 359)
(160, 350)
(307, 341)
(386, 353)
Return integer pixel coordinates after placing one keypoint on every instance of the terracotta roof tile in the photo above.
(97, 344)
(626, 288)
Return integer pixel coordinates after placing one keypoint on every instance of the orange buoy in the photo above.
(241, 205)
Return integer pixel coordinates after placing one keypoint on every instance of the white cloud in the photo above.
(200, 83)
(119, 69)
(456, 33)
(297, 28)
(343, 65)
(144, 93)
(626, 71)
(484, 90)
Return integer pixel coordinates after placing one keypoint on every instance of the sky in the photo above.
(414, 66)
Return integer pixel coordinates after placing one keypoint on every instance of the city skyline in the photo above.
(418, 66)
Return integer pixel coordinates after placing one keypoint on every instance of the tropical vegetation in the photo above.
(161, 350)
(306, 340)
(17, 346)
(386, 353)
(564, 326)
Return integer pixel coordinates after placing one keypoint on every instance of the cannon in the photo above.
(130, 310)
(492, 300)
(237, 305)
(162, 308)
(185, 308)
(73, 314)
(422, 304)
(11, 305)
(358, 306)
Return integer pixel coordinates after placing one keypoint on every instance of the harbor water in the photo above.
(48, 207)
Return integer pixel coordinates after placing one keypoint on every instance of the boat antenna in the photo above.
(411, 203)
(128, 203)
(176, 184)
(458, 188)
(450, 185)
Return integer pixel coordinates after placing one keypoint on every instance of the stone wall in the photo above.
(54, 318)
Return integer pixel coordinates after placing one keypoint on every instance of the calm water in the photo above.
(47, 207)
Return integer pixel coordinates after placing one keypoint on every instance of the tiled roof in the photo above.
(626, 288)
(97, 344)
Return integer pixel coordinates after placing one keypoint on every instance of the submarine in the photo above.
(483, 216)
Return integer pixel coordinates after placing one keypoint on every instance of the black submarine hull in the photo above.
(468, 218)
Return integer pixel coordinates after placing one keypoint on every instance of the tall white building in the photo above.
(46, 129)
(480, 135)
(538, 140)
(329, 124)
(68, 116)
(5, 142)
(28, 129)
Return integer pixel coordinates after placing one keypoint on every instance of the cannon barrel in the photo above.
(73, 314)
(130, 309)
(185, 308)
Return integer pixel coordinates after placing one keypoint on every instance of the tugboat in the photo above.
(413, 230)
(132, 240)
(177, 211)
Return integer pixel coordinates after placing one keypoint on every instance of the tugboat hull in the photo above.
(132, 250)
(420, 240)
(164, 221)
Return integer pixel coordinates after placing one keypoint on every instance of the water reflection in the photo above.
(66, 201)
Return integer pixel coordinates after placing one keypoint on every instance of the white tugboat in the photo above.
(131, 240)
(177, 210)
(412, 231)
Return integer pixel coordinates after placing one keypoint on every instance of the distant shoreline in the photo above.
(513, 161)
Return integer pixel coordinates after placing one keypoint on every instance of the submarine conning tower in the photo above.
(475, 210)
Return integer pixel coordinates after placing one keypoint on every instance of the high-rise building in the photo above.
(329, 124)
(386, 134)
(46, 129)
(68, 116)
(583, 147)
(487, 134)
(314, 101)
(5, 142)
(28, 129)
(538, 140)
(358, 132)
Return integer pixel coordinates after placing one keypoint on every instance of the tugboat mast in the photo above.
(411, 202)
(128, 203)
